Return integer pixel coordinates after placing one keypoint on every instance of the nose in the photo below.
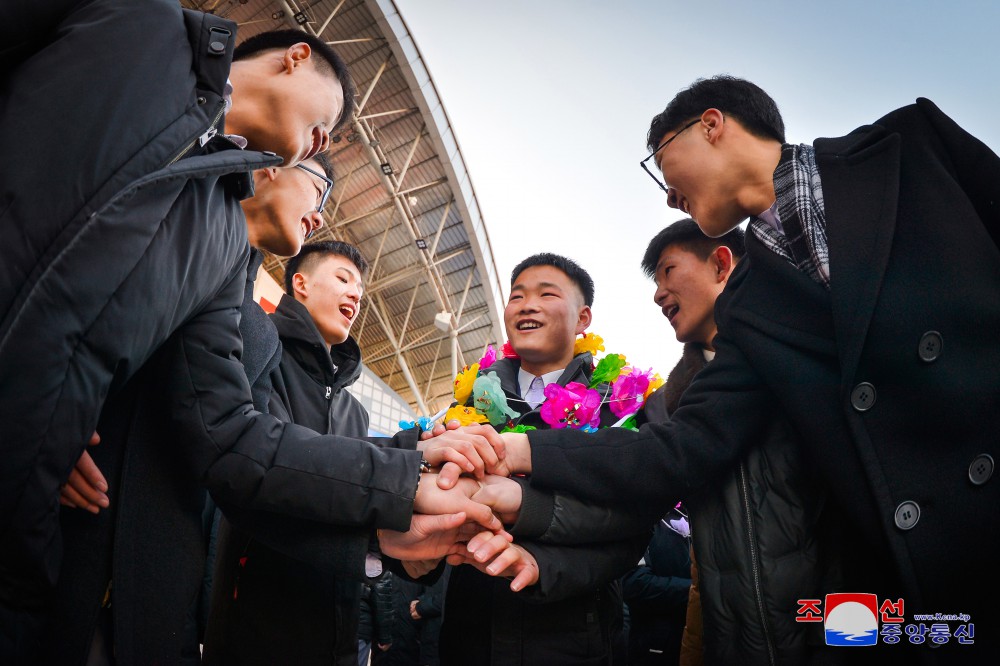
(354, 291)
(324, 140)
(314, 222)
(672, 198)
(659, 295)
(528, 304)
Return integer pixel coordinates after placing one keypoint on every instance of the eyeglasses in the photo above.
(663, 145)
(326, 192)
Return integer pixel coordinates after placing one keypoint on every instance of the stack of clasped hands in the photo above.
(461, 507)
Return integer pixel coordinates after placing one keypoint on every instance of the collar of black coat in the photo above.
(303, 342)
(669, 395)
(253, 266)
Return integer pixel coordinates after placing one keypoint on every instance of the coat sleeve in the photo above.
(252, 460)
(384, 615)
(431, 602)
(652, 468)
(554, 517)
(643, 587)
(568, 571)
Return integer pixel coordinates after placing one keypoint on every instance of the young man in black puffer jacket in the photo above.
(268, 606)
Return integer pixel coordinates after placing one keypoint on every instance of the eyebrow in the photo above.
(541, 285)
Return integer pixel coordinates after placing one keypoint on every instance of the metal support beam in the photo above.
(430, 375)
(371, 86)
(400, 359)
(330, 17)
(444, 218)
(380, 114)
(409, 157)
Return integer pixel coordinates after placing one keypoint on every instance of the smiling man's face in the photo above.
(545, 313)
(331, 291)
(686, 289)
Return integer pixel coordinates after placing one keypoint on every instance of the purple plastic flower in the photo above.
(628, 390)
(571, 406)
(488, 358)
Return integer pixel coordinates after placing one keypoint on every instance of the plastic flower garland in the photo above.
(572, 406)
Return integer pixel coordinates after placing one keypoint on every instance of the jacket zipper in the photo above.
(755, 563)
(206, 135)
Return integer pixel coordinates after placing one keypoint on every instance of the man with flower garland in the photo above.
(574, 614)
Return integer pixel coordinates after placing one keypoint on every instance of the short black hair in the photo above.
(312, 253)
(573, 271)
(325, 163)
(744, 101)
(328, 62)
(687, 235)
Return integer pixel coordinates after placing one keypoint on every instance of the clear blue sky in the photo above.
(551, 100)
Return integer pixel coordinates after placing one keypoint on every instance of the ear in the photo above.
(713, 124)
(723, 262)
(300, 287)
(584, 319)
(295, 55)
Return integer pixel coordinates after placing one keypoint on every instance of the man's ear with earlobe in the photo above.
(584, 319)
(713, 124)
(724, 262)
(296, 54)
(300, 286)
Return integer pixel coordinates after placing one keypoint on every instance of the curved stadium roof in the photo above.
(403, 195)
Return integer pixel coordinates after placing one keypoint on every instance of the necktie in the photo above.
(536, 393)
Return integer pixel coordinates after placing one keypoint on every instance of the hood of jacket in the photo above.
(303, 341)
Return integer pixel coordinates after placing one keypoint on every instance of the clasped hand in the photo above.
(451, 510)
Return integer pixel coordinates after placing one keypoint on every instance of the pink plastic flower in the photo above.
(571, 406)
(508, 351)
(488, 358)
(628, 390)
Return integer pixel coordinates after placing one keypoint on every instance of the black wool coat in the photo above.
(891, 378)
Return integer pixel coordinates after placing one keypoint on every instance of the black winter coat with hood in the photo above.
(75, 327)
(269, 605)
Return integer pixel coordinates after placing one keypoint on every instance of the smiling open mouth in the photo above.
(347, 311)
(671, 312)
(528, 325)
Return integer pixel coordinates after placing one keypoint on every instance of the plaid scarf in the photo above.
(799, 194)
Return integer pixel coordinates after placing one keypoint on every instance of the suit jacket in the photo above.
(892, 377)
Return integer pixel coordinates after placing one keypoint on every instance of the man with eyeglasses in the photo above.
(865, 313)
(145, 302)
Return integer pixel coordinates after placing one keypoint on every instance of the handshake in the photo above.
(460, 509)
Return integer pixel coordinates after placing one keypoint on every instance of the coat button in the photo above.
(930, 346)
(981, 469)
(863, 397)
(907, 515)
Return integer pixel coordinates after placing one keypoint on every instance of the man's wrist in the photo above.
(518, 456)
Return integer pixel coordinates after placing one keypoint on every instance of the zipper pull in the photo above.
(207, 136)
(328, 392)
